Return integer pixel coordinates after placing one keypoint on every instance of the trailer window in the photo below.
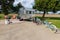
(29, 12)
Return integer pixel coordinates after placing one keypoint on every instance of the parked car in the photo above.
(50, 12)
(58, 12)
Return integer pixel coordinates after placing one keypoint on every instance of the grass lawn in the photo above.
(1, 16)
(55, 22)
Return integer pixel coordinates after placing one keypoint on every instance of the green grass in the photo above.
(55, 22)
(1, 16)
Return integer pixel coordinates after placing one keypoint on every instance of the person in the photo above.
(14, 16)
(7, 19)
(6, 22)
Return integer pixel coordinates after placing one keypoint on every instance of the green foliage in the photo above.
(47, 5)
(16, 8)
(6, 6)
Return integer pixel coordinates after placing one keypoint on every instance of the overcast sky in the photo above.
(25, 3)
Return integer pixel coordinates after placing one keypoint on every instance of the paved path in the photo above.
(26, 31)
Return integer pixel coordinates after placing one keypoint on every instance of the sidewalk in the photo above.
(27, 31)
(12, 20)
(2, 21)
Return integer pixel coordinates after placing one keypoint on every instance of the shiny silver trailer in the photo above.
(25, 13)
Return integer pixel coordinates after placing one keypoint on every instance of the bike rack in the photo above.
(51, 26)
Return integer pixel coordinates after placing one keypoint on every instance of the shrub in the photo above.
(1, 16)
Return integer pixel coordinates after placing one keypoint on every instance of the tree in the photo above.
(6, 6)
(16, 8)
(47, 5)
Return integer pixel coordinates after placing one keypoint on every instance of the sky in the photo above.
(25, 3)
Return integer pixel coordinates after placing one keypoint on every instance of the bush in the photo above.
(1, 16)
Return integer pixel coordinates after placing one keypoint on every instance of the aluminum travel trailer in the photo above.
(26, 13)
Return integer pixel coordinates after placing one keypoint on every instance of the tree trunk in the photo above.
(43, 17)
